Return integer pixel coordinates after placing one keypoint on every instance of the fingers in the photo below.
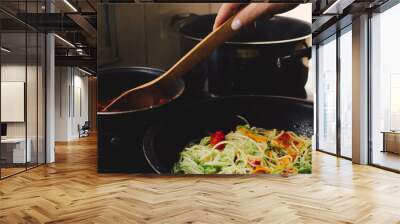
(254, 10)
(225, 12)
(249, 13)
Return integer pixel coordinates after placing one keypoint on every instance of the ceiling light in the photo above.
(70, 5)
(5, 50)
(337, 7)
(65, 41)
(84, 71)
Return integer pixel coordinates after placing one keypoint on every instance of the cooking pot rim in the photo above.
(148, 132)
(131, 68)
(146, 108)
(255, 42)
(178, 94)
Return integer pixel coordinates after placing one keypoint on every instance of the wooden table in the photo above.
(391, 141)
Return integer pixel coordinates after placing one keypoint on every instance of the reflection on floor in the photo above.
(387, 159)
(71, 191)
(11, 169)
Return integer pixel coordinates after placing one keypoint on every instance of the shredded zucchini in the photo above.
(248, 150)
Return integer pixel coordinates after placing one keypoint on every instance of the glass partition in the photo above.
(334, 106)
(327, 96)
(22, 88)
(346, 92)
(385, 89)
(13, 94)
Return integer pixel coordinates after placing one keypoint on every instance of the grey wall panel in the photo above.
(162, 43)
(141, 34)
(121, 35)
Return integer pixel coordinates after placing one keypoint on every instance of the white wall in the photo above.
(303, 12)
(12, 101)
(15, 73)
(33, 126)
(79, 117)
(62, 81)
(70, 83)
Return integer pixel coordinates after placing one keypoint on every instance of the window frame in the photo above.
(333, 37)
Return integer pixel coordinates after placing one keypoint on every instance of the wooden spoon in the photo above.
(151, 93)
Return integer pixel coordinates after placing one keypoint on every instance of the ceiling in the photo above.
(72, 20)
(332, 15)
(39, 6)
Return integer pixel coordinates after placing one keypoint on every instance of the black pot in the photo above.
(166, 139)
(120, 134)
(268, 57)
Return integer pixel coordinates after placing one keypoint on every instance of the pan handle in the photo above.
(179, 20)
(303, 53)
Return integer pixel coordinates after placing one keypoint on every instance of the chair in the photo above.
(84, 130)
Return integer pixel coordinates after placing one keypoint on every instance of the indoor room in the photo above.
(136, 111)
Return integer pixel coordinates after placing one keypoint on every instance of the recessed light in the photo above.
(84, 71)
(337, 7)
(70, 5)
(64, 40)
(5, 50)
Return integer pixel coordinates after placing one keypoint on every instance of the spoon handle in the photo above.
(187, 62)
(203, 49)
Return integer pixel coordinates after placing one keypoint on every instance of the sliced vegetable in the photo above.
(247, 150)
(262, 169)
(216, 138)
(255, 137)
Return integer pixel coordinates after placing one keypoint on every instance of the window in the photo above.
(346, 92)
(327, 96)
(385, 89)
(334, 98)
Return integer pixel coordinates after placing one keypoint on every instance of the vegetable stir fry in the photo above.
(247, 150)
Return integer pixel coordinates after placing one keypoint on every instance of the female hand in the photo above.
(249, 12)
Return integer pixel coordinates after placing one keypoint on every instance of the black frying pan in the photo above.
(164, 141)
